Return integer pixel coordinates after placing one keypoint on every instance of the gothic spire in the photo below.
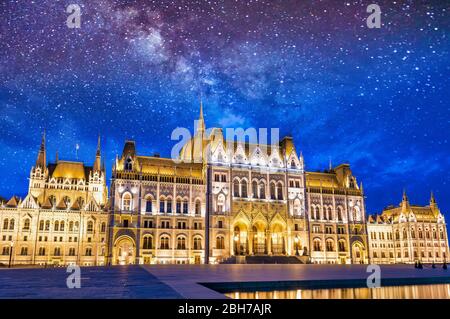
(201, 121)
(97, 163)
(41, 160)
(432, 200)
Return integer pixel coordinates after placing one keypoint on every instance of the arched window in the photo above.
(317, 213)
(148, 204)
(220, 203)
(339, 213)
(272, 191)
(280, 191)
(397, 234)
(330, 245)
(420, 233)
(236, 188)
(164, 242)
(77, 226)
(5, 223)
(56, 227)
(178, 207)
(197, 243)
(162, 205)
(181, 242)
(185, 206)
(148, 242)
(11, 224)
(90, 227)
(262, 190)
(169, 205)
(71, 226)
(342, 245)
(434, 234)
(317, 245)
(244, 189)
(47, 225)
(41, 225)
(126, 201)
(405, 234)
(255, 189)
(26, 224)
(103, 227)
(220, 242)
(198, 207)
(128, 164)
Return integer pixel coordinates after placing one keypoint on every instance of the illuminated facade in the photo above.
(408, 233)
(222, 200)
(62, 220)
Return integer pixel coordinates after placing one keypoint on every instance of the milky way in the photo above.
(376, 98)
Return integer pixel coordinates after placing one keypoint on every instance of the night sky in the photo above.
(376, 98)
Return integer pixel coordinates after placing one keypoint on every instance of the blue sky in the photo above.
(375, 98)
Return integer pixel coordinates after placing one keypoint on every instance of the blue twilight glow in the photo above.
(376, 98)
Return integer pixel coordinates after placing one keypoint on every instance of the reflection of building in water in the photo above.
(439, 291)
(225, 200)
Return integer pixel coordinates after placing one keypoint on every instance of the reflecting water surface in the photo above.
(440, 291)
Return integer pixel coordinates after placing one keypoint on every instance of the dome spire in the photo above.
(201, 121)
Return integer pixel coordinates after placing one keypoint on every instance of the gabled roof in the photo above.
(13, 202)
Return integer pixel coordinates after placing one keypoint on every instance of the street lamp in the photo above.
(296, 246)
(10, 253)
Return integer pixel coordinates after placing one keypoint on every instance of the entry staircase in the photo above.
(266, 259)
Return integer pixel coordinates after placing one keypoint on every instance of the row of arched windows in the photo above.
(329, 245)
(327, 213)
(240, 189)
(428, 235)
(72, 226)
(165, 204)
(164, 242)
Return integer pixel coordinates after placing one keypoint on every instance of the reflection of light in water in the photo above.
(439, 291)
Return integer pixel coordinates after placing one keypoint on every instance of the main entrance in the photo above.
(124, 251)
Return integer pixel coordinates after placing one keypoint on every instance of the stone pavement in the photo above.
(190, 281)
(96, 282)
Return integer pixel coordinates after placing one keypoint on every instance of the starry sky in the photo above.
(375, 98)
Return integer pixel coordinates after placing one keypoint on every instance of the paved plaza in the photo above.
(190, 281)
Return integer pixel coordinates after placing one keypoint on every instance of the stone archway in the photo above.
(358, 253)
(277, 239)
(259, 244)
(124, 251)
(240, 239)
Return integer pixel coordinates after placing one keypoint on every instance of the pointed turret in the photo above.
(98, 159)
(405, 202)
(201, 121)
(361, 188)
(433, 203)
(41, 160)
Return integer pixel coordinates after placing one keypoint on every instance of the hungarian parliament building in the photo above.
(221, 201)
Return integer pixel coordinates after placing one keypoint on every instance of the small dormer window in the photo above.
(128, 164)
